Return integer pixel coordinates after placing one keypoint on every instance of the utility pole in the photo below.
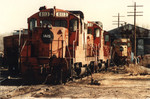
(135, 14)
(118, 19)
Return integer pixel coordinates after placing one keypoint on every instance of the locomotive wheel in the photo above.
(103, 66)
(88, 70)
(92, 67)
(109, 62)
(96, 68)
(106, 66)
(100, 66)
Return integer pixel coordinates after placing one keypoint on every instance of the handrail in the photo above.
(68, 50)
(23, 46)
(74, 44)
(96, 52)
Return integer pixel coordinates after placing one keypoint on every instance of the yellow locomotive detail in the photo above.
(121, 51)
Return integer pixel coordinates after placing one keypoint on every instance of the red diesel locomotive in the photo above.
(99, 40)
(61, 46)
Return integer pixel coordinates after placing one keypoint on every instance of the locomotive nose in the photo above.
(121, 48)
(47, 36)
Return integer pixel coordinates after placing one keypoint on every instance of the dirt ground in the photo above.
(113, 84)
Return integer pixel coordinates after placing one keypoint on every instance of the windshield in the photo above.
(45, 22)
(106, 38)
(60, 23)
(73, 25)
(124, 43)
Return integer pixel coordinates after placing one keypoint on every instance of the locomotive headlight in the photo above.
(49, 26)
(44, 25)
(77, 66)
(47, 36)
(121, 48)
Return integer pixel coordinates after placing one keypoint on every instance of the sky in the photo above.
(14, 13)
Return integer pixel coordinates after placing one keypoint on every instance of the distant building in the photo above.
(142, 36)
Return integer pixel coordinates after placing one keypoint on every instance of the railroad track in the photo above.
(23, 90)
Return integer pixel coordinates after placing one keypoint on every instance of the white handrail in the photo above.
(23, 46)
(74, 44)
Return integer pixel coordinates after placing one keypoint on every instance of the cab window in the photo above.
(106, 38)
(33, 24)
(124, 43)
(97, 32)
(45, 22)
(128, 44)
(89, 31)
(60, 23)
(73, 25)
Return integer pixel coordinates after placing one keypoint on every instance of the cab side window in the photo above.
(89, 31)
(106, 38)
(33, 24)
(97, 32)
(45, 22)
(73, 25)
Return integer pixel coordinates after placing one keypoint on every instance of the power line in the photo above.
(135, 14)
(118, 19)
